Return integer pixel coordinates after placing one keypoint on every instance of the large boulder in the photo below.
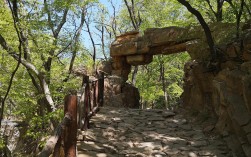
(117, 93)
(132, 97)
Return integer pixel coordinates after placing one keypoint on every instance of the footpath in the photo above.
(120, 132)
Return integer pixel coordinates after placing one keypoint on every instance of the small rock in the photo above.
(198, 136)
(225, 134)
(192, 154)
(140, 155)
(199, 143)
(184, 148)
(208, 128)
(156, 118)
(167, 114)
(186, 127)
(80, 137)
(116, 119)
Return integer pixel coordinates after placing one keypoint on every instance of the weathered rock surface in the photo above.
(226, 93)
(117, 93)
(146, 133)
(116, 90)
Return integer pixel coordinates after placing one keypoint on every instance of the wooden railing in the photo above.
(77, 116)
(91, 99)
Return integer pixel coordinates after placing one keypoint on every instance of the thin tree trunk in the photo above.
(136, 23)
(134, 75)
(219, 10)
(103, 41)
(238, 15)
(238, 18)
(130, 11)
(76, 42)
(3, 43)
(163, 81)
(93, 44)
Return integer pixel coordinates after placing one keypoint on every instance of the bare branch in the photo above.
(109, 32)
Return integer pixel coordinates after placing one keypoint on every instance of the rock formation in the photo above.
(225, 92)
(117, 91)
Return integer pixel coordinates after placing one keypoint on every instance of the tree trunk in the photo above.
(134, 75)
(219, 10)
(163, 81)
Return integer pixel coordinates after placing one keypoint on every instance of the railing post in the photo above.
(70, 134)
(101, 89)
(86, 104)
(95, 91)
(81, 105)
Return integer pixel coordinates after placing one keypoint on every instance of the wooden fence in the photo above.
(77, 116)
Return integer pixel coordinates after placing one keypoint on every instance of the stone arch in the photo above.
(132, 49)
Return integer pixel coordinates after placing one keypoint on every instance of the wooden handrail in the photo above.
(66, 132)
(92, 102)
(52, 141)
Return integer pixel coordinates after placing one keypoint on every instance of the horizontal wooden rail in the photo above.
(52, 141)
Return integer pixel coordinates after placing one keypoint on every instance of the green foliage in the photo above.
(25, 101)
(149, 83)
(1, 143)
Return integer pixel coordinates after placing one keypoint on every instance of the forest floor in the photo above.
(118, 132)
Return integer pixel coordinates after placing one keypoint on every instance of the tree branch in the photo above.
(14, 15)
(114, 22)
(211, 8)
(29, 66)
(92, 41)
(62, 22)
(238, 18)
(49, 17)
(247, 7)
(204, 25)
(10, 83)
(76, 41)
(131, 15)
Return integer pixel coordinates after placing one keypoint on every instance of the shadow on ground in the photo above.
(144, 133)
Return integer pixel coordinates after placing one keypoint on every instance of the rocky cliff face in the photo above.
(225, 93)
